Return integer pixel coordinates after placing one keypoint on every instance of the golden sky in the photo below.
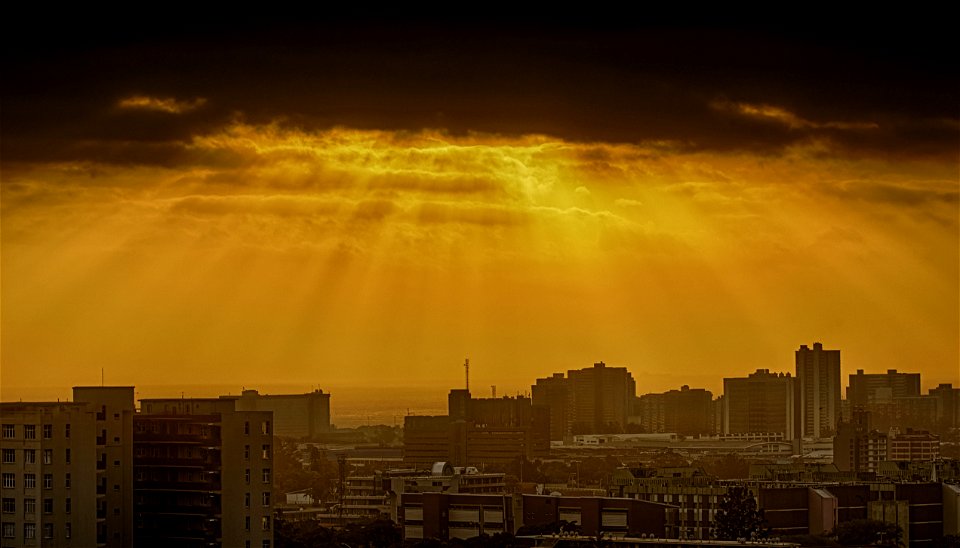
(249, 246)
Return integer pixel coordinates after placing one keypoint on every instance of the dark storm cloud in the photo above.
(862, 91)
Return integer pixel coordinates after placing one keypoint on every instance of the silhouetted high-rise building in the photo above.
(477, 431)
(868, 388)
(554, 393)
(592, 400)
(761, 402)
(203, 474)
(688, 412)
(602, 398)
(818, 385)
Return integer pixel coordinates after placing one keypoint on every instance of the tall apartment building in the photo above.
(114, 406)
(50, 491)
(868, 388)
(761, 402)
(554, 393)
(687, 412)
(478, 431)
(818, 387)
(294, 415)
(203, 474)
(593, 400)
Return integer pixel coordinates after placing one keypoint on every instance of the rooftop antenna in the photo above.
(466, 367)
(493, 388)
(101, 377)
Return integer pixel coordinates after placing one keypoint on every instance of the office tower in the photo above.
(872, 388)
(763, 402)
(50, 490)
(294, 415)
(818, 385)
(115, 409)
(203, 474)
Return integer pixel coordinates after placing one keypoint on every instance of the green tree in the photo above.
(738, 516)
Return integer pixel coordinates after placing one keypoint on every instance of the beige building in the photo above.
(203, 474)
(49, 488)
(294, 415)
(114, 407)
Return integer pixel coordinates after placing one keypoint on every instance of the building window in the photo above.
(246, 428)
(246, 523)
(48, 456)
(67, 530)
(30, 456)
(266, 475)
(9, 431)
(47, 530)
(266, 498)
(9, 456)
(246, 500)
(266, 543)
(66, 430)
(29, 431)
(9, 481)
(29, 530)
(266, 451)
(246, 544)
(265, 523)
(265, 427)
(48, 481)
(47, 431)
(29, 481)
(68, 506)
(66, 480)
(29, 506)
(246, 452)
(246, 476)
(47, 506)
(68, 455)
(9, 530)
(9, 506)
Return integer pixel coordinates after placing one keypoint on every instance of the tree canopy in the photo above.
(738, 516)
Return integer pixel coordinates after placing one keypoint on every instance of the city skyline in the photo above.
(363, 204)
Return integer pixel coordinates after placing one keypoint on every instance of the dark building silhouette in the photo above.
(555, 394)
(478, 431)
(203, 474)
(868, 388)
(857, 446)
(688, 412)
(761, 402)
(593, 400)
(818, 390)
